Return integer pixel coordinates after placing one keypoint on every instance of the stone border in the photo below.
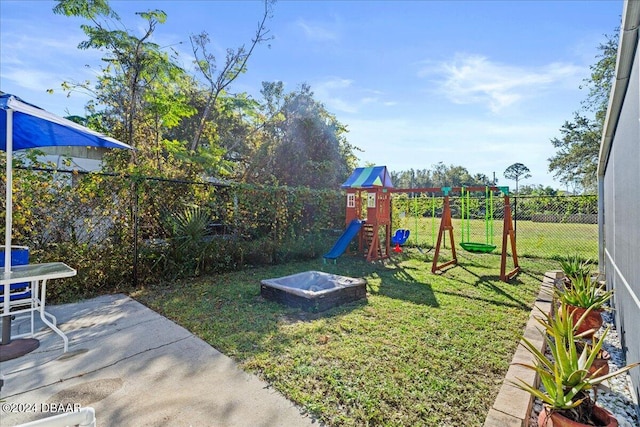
(512, 407)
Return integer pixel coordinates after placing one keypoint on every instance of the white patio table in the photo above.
(37, 275)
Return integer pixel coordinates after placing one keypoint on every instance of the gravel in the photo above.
(614, 394)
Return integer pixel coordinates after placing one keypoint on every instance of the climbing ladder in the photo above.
(370, 242)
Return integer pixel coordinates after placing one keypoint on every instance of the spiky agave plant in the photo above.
(574, 266)
(560, 322)
(565, 377)
(585, 293)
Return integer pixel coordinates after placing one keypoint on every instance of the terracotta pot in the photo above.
(597, 364)
(555, 419)
(593, 320)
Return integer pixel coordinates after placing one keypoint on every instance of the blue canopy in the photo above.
(34, 127)
(376, 176)
(22, 126)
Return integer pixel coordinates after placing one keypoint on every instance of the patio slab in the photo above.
(135, 367)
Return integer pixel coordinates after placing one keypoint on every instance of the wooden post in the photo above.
(508, 234)
(445, 225)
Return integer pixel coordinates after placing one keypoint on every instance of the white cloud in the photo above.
(36, 80)
(36, 61)
(331, 92)
(317, 32)
(474, 79)
(335, 83)
(341, 95)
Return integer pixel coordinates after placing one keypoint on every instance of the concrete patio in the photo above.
(135, 367)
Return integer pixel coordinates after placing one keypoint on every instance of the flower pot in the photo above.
(597, 364)
(556, 419)
(592, 321)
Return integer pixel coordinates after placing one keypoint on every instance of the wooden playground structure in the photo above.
(369, 206)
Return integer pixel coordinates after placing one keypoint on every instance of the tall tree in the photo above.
(305, 145)
(140, 89)
(516, 172)
(219, 79)
(576, 160)
(440, 176)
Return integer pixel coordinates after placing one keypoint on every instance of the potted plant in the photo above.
(585, 295)
(573, 266)
(560, 321)
(566, 377)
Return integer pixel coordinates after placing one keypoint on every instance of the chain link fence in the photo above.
(122, 231)
(557, 226)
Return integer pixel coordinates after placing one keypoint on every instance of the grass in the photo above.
(422, 350)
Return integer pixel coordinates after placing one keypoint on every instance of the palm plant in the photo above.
(189, 226)
(189, 231)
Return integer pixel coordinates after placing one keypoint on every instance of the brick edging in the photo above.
(512, 407)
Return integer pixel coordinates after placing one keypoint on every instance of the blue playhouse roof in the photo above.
(371, 177)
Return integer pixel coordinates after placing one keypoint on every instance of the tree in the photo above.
(516, 172)
(440, 175)
(144, 98)
(576, 161)
(140, 89)
(234, 65)
(578, 147)
(537, 190)
(303, 143)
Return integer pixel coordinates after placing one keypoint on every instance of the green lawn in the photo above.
(422, 350)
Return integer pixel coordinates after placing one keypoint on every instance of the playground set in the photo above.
(368, 218)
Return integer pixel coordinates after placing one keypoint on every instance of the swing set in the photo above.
(427, 206)
(446, 226)
(465, 243)
(508, 233)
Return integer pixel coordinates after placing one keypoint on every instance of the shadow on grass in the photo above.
(398, 282)
(388, 278)
(487, 281)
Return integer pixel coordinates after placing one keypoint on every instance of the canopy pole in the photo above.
(8, 194)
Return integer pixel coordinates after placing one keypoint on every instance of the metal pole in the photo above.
(6, 320)
(515, 217)
(135, 233)
(601, 230)
(8, 194)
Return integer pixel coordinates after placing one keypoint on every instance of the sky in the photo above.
(479, 84)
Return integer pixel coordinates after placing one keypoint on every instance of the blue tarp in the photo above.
(376, 176)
